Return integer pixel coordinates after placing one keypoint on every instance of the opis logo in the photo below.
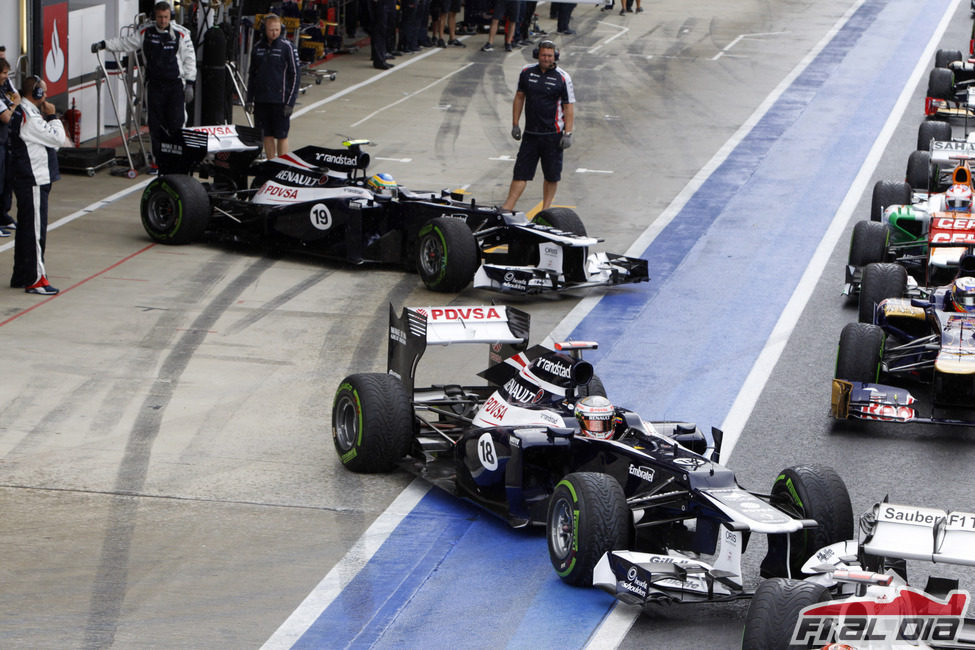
(911, 617)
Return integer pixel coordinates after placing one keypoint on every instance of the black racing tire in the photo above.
(932, 130)
(869, 243)
(941, 83)
(175, 209)
(587, 517)
(859, 353)
(563, 219)
(887, 193)
(594, 387)
(811, 492)
(774, 611)
(919, 171)
(372, 422)
(879, 282)
(446, 255)
(944, 58)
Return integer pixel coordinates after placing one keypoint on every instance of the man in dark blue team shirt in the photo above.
(546, 95)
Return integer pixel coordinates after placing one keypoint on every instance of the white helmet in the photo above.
(958, 198)
(595, 415)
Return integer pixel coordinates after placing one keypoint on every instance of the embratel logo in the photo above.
(912, 617)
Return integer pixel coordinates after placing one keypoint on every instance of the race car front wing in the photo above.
(601, 269)
(864, 401)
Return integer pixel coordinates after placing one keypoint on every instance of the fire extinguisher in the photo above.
(73, 119)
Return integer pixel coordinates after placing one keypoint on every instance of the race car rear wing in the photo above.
(504, 328)
(913, 533)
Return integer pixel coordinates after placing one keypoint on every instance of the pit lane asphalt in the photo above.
(167, 474)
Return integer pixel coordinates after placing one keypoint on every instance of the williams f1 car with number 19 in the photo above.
(321, 201)
(629, 505)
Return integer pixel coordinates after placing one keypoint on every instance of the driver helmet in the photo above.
(383, 186)
(963, 294)
(595, 415)
(958, 198)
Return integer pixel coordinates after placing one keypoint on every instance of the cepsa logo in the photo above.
(912, 618)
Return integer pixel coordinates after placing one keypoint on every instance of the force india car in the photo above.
(855, 593)
(914, 340)
(631, 514)
(911, 226)
(317, 200)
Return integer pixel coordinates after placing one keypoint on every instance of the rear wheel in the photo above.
(774, 611)
(446, 255)
(175, 209)
(941, 83)
(887, 193)
(944, 58)
(879, 282)
(587, 517)
(808, 492)
(868, 243)
(932, 130)
(562, 219)
(859, 353)
(919, 171)
(372, 422)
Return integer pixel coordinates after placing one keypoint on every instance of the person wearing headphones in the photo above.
(171, 74)
(36, 134)
(546, 95)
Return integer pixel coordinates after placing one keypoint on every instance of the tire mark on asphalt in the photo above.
(111, 579)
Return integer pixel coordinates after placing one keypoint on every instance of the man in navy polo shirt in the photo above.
(546, 96)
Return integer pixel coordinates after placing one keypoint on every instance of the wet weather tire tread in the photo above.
(879, 282)
(887, 193)
(602, 523)
(774, 611)
(858, 357)
(564, 219)
(868, 243)
(385, 411)
(192, 202)
(824, 497)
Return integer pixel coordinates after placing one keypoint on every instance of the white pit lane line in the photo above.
(740, 37)
(622, 30)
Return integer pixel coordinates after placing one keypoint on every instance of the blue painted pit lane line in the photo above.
(712, 303)
(452, 574)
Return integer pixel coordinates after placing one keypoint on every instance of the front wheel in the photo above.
(808, 492)
(563, 219)
(859, 354)
(447, 255)
(372, 422)
(175, 209)
(887, 193)
(869, 243)
(877, 283)
(587, 517)
(774, 611)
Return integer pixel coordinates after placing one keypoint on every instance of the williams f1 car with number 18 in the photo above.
(629, 505)
(855, 593)
(321, 201)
